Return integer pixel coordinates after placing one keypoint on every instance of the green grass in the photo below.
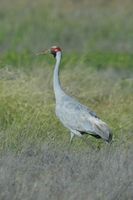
(27, 103)
(97, 69)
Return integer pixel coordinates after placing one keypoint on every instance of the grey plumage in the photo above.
(78, 118)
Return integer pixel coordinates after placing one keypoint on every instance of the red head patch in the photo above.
(54, 50)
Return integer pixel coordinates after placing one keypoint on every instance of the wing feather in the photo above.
(76, 116)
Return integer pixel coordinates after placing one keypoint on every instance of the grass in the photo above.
(53, 174)
(27, 103)
(36, 161)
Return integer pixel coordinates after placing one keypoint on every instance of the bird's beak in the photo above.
(46, 51)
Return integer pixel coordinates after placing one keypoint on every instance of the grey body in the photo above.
(78, 118)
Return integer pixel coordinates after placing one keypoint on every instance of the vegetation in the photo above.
(53, 174)
(37, 161)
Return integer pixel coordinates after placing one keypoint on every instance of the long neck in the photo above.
(57, 87)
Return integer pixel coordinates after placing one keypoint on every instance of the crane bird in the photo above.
(78, 118)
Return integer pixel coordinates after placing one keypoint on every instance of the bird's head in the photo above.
(53, 50)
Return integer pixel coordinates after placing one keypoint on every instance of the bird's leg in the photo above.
(72, 135)
(74, 132)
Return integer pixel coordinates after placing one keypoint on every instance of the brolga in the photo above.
(78, 118)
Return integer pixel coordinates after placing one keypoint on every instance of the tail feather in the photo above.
(101, 129)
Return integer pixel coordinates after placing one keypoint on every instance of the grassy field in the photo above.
(36, 159)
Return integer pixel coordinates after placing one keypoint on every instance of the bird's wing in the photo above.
(75, 115)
